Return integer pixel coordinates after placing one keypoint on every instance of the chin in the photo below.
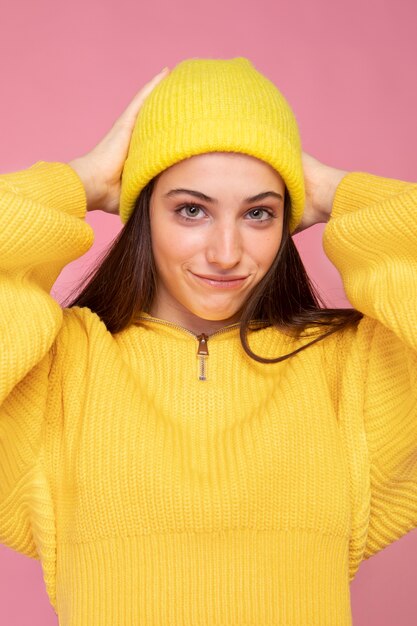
(214, 315)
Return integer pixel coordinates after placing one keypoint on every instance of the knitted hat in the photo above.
(213, 105)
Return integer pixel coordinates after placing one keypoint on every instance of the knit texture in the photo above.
(153, 498)
(214, 105)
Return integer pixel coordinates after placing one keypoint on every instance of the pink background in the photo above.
(348, 69)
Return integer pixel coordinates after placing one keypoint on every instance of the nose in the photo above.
(224, 247)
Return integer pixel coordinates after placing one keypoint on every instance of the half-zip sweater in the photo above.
(165, 479)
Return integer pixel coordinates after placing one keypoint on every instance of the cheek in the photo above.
(263, 249)
(172, 245)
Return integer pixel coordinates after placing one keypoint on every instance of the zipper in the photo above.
(202, 339)
(202, 354)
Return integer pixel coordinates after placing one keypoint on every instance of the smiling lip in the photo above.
(222, 282)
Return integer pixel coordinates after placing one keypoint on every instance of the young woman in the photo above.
(194, 439)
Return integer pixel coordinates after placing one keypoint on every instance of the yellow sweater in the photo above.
(153, 498)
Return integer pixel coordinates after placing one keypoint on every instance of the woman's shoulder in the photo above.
(316, 339)
(82, 318)
(82, 329)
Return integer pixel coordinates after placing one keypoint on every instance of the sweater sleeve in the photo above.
(371, 238)
(41, 230)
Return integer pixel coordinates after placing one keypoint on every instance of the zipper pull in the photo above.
(202, 354)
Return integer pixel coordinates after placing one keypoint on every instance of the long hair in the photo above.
(123, 284)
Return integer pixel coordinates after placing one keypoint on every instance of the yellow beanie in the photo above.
(213, 105)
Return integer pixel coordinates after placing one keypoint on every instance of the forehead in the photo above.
(221, 167)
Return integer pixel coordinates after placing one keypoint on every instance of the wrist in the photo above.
(85, 172)
(326, 191)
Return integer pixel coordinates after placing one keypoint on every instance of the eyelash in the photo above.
(192, 219)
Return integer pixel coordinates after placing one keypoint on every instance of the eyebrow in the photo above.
(203, 196)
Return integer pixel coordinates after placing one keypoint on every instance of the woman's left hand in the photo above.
(100, 170)
(321, 182)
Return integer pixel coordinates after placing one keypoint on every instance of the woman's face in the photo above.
(213, 239)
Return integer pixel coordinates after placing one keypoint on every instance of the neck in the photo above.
(188, 320)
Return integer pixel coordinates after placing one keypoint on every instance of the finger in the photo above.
(133, 107)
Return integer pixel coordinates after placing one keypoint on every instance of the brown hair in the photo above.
(123, 284)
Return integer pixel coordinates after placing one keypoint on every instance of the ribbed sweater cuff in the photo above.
(53, 184)
(360, 189)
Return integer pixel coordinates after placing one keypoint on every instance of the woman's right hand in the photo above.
(101, 168)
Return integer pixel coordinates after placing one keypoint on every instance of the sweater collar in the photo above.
(145, 317)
